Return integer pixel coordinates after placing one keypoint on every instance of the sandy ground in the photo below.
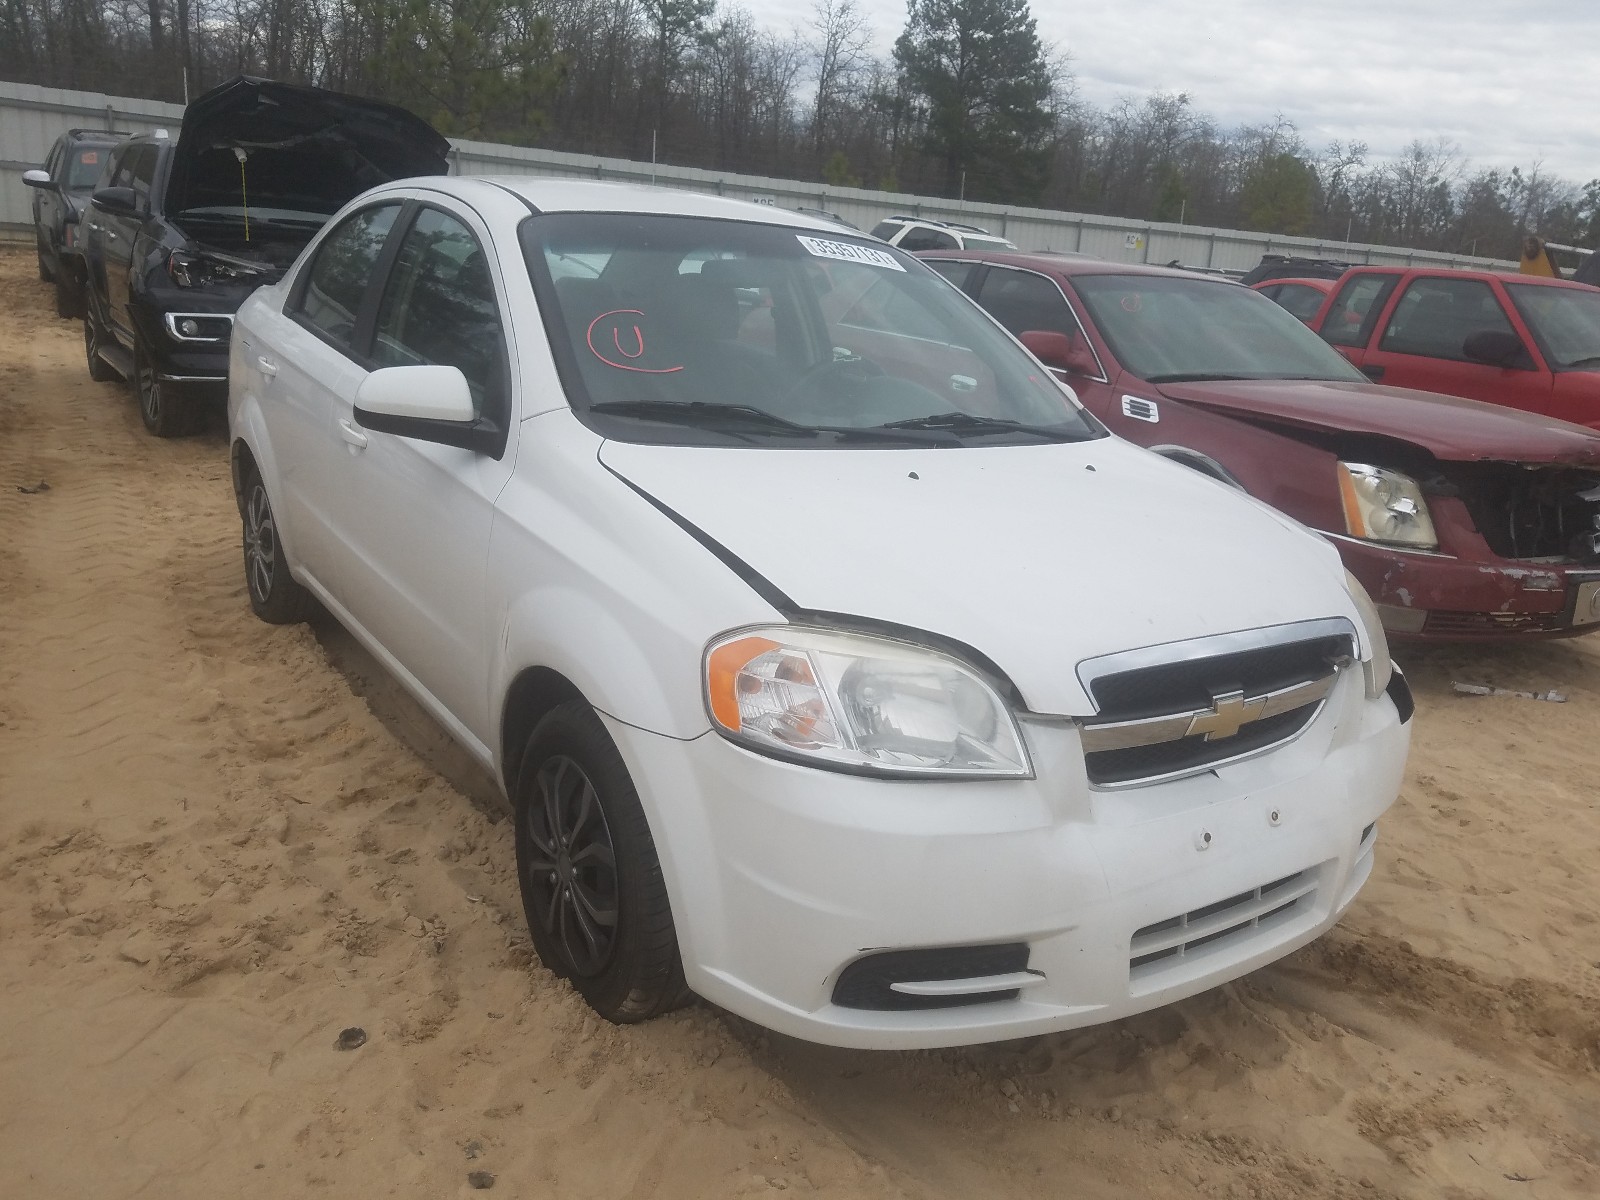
(221, 843)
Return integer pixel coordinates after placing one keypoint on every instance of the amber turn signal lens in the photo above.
(722, 677)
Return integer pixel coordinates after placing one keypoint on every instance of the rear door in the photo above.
(306, 368)
(1420, 344)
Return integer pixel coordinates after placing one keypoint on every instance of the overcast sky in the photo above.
(1512, 81)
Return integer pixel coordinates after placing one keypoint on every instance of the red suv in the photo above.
(1464, 521)
(1506, 339)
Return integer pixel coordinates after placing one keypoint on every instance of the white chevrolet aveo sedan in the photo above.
(837, 666)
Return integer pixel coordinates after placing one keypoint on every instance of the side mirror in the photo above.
(40, 179)
(121, 200)
(427, 402)
(1495, 347)
(1061, 352)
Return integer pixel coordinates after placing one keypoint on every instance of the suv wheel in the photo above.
(99, 369)
(275, 597)
(591, 882)
(164, 413)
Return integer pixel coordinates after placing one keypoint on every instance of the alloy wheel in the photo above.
(149, 389)
(571, 868)
(260, 544)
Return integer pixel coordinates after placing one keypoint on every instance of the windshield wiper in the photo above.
(704, 414)
(972, 423)
(1191, 377)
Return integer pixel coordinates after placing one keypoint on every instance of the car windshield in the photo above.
(686, 329)
(1566, 321)
(1167, 330)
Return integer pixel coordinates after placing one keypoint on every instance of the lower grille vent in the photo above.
(1230, 921)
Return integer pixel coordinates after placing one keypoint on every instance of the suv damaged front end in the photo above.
(256, 171)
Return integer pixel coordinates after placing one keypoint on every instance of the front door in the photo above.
(1421, 345)
(414, 515)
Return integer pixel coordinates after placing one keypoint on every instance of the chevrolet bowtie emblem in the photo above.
(1230, 712)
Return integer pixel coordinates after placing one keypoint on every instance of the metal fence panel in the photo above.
(32, 117)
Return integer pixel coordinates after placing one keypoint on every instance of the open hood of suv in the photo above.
(305, 149)
(1036, 557)
(1448, 427)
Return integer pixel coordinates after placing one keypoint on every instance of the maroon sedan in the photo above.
(1463, 520)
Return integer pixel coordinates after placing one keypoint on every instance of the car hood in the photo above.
(1036, 557)
(1448, 427)
(303, 145)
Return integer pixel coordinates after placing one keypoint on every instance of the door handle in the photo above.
(267, 366)
(352, 434)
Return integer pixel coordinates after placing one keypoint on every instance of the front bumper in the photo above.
(782, 876)
(1436, 597)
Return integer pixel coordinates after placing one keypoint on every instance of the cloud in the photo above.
(1511, 84)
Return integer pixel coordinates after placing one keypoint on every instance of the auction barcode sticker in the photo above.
(849, 252)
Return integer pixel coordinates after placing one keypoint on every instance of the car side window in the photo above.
(338, 276)
(439, 308)
(1436, 316)
(956, 272)
(1355, 310)
(142, 172)
(928, 239)
(1021, 300)
(1300, 300)
(121, 171)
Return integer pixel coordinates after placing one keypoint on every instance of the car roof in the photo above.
(549, 194)
(1464, 273)
(1321, 285)
(95, 135)
(1059, 264)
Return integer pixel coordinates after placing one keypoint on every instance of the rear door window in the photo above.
(1436, 316)
(1355, 310)
(338, 277)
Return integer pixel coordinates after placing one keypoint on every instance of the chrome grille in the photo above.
(1173, 710)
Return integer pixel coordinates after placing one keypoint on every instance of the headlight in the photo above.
(1379, 666)
(1385, 506)
(856, 703)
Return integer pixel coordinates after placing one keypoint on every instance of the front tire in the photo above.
(592, 889)
(164, 413)
(275, 597)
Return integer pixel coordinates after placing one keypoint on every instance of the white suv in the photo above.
(918, 233)
(837, 666)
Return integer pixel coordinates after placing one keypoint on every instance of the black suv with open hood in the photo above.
(181, 231)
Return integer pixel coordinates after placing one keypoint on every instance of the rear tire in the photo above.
(592, 890)
(164, 413)
(99, 369)
(275, 597)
